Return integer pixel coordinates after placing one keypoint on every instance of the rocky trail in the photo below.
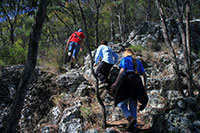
(66, 102)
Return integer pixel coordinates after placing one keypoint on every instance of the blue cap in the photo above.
(80, 30)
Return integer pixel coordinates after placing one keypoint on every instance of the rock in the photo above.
(92, 131)
(109, 130)
(70, 80)
(71, 121)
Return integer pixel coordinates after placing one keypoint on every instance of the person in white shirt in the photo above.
(108, 59)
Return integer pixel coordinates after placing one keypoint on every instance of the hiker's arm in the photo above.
(97, 56)
(67, 43)
(114, 85)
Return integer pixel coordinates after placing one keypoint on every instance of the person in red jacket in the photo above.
(74, 44)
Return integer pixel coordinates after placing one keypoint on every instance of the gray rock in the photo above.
(70, 80)
(92, 131)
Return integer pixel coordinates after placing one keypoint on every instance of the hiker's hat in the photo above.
(80, 30)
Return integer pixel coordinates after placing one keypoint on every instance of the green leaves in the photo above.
(15, 54)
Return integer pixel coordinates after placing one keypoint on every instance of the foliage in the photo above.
(18, 53)
(2, 64)
(51, 58)
(137, 48)
(63, 19)
(15, 54)
(85, 112)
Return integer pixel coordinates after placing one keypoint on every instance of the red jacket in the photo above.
(74, 38)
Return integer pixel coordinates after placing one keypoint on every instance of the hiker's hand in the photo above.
(94, 64)
(81, 49)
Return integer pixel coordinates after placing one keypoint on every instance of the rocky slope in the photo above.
(66, 103)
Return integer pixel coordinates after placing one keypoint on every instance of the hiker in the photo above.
(74, 44)
(108, 59)
(129, 89)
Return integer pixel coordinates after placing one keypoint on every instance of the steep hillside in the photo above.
(66, 103)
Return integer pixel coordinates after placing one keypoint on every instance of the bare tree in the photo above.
(112, 36)
(120, 27)
(11, 20)
(28, 72)
(97, 4)
(124, 30)
(92, 62)
(185, 35)
(188, 45)
(168, 42)
(148, 17)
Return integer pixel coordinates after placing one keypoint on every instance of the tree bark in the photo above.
(188, 45)
(124, 29)
(168, 42)
(112, 38)
(185, 35)
(28, 72)
(97, 4)
(148, 17)
(92, 62)
(120, 28)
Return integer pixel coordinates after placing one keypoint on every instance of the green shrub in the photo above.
(18, 54)
(13, 54)
(2, 63)
(4, 54)
(137, 48)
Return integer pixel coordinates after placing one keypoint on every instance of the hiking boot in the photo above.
(72, 65)
(131, 123)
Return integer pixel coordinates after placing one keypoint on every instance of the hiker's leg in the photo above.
(76, 51)
(70, 51)
(99, 72)
(133, 108)
(75, 54)
(106, 71)
(103, 71)
(124, 108)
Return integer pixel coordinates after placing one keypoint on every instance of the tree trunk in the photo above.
(97, 88)
(168, 42)
(148, 17)
(97, 4)
(12, 34)
(120, 28)
(185, 35)
(188, 45)
(27, 75)
(124, 29)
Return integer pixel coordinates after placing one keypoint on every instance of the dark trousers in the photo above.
(103, 71)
